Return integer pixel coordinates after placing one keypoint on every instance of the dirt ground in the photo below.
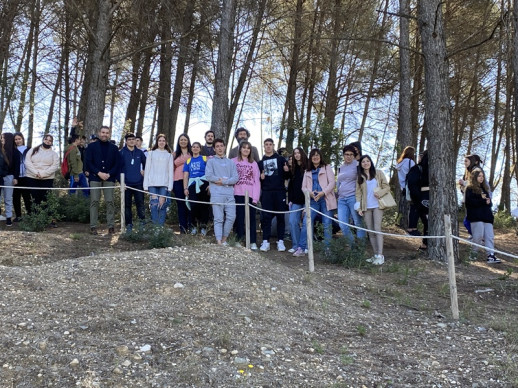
(99, 311)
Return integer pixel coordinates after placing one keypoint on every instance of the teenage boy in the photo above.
(274, 171)
(242, 134)
(138, 144)
(75, 163)
(103, 165)
(208, 148)
(221, 173)
(133, 164)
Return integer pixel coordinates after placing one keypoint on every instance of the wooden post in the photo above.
(309, 231)
(123, 203)
(451, 268)
(247, 221)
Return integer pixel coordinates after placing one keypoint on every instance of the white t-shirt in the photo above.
(372, 201)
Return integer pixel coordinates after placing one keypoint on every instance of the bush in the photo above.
(156, 236)
(42, 215)
(340, 253)
(504, 220)
(75, 208)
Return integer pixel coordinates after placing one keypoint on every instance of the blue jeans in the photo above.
(326, 221)
(82, 183)
(158, 213)
(345, 212)
(295, 224)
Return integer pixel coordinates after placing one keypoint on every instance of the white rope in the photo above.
(277, 211)
(59, 188)
(482, 246)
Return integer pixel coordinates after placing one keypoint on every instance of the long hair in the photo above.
(20, 135)
(250, 156)
(36, 149)
(303, 161)
(408, 153)
(474, 185)
(361, 173)
(8, 147)
(178, 150)
(156, 143)
(474, 163)
(315, 151)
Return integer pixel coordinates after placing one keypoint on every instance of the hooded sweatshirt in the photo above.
(403, 168)
(221, 167)
(272, 166)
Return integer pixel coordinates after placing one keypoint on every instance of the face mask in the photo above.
(46, 146)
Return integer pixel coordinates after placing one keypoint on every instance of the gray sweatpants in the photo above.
(373, 219)
(224, 215)
(482, 233)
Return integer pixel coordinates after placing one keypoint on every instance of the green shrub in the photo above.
(156, 236)
(75, 208)
(339, 252)
(504, 220)
(42, 215)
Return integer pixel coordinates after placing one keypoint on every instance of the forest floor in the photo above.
(99, 311)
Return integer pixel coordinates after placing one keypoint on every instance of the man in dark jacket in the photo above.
(274, 171)
(417, 179)
(103, 165)
(133, 163)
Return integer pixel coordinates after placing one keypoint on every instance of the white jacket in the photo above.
(159, 170)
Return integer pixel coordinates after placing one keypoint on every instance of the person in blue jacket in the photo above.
(133, 163)
(103, 165)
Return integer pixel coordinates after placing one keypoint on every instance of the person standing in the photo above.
(347, 177)
(480, 214)
(274, 171)
(319, 182)
(404, 163)
(41, 163)
(19, 192)
(138, 144)
(221, 173)
(180, 155)
(196, 188)
(242, 134)
(133, 161)
(249, 180)
(296, 200)
(75, 163)
(471, 163)
(158, 179)
(13, 162)
(103, 164)
(419, 187)
(370, 186)
(208, 148)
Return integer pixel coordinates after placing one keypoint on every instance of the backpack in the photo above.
(65, 168)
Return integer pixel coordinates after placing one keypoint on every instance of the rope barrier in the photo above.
(277, 211)
(58, 188)
(482, 246)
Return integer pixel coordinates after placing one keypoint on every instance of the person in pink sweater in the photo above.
(249, 180)
(182, 153)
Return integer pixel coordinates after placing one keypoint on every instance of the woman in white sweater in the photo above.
(41, 164)
(158, 179)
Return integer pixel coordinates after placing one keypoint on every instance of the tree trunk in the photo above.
(34, 72)
(220, 109)
(192, 86)
(443, 198)
(134, 97)
(144, 91)
(515, 79)
(331, 103)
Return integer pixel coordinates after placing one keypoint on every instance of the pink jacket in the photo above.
(326, 179)
(249, 179)
(178, 166)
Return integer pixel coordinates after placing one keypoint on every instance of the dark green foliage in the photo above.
(156, 236)
(42, 215)
(75, 208)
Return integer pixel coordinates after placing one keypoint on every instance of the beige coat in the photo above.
(326, 179)
(45, 163)
(361, 190)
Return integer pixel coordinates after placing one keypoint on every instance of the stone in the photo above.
(74, 362)
(122, 350)
(145, 348)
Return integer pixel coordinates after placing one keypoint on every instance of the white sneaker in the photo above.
(253, 247)
(225, 244)
(371, 259)
(265, 246)
(299, 252)
(280, 246)
(194, 231)
(237, 244)
(203, 231)
(291, 250)
(380, 259)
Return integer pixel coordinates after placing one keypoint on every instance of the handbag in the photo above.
(387, 201)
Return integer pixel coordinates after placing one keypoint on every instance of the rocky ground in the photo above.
(97, 311)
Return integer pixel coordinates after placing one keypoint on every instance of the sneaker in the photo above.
(237, 244)
(253, 247)
(299, 252)
(203, 231)
(93, 231)
(280, 246)
(2, 218)
(380, 259)
(8, 222)
(129, 228)
(17, 219)
(224, 243)
(492, 259)
(194, 231)
(371, 259)
(111, 230)
(265, 246)
(305, 251)
(291, 250)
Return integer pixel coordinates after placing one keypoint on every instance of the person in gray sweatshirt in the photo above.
(221, 173)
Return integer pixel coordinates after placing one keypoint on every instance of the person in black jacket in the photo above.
(418, 185)
(295, 195)
(274, 171)
(12, 158)
(480, 215)
(103, 164)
